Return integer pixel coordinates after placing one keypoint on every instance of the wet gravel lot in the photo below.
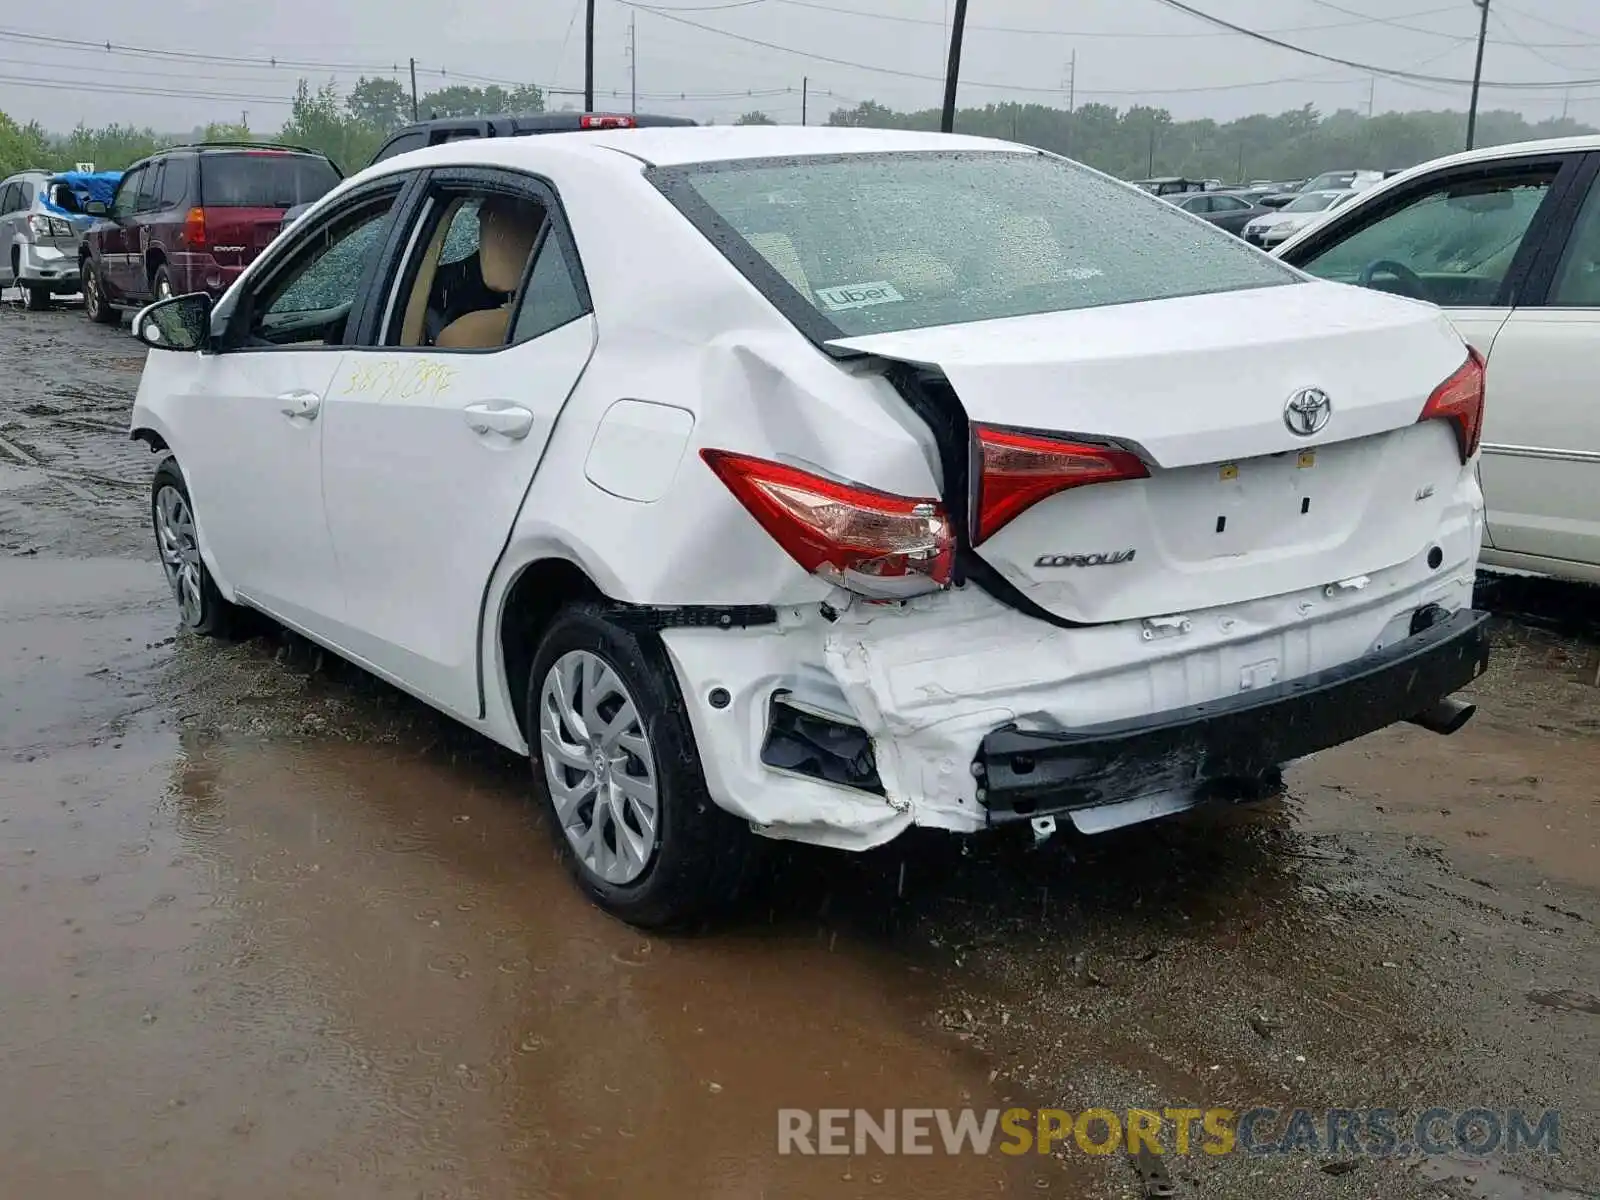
(269, 928)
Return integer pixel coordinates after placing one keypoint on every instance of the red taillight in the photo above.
(194, 228)
(1013, 471)
(879, 545)
(1459, 400)
(605, 121)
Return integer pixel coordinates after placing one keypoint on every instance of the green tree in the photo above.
(755, 117)
(23, 146)
(319, 121)
(459, 100)
(379, 104)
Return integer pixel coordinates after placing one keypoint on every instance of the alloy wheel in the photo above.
(180, 553)
(600, 767)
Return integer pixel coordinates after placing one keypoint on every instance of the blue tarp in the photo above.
(85, 186)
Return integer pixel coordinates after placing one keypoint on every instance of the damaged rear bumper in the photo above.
(847, 732)
(1236, 740)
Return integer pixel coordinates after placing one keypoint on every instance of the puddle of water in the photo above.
(1489, 1181)
(263, 970)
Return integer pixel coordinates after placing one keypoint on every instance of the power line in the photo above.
(1369, 18)
(118, 89)
(1592, 35)
(1037, 32)
(1369, 68)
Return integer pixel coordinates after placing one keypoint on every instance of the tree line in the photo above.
(1140, 141)
(1131, 143)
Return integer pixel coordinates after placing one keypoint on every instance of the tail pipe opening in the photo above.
(1445, 716)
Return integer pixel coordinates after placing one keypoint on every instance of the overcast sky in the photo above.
(1127, 52)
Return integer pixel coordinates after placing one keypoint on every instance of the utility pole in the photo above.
(244, 120)
(414, 89)
(1150, 166)
(588, 57)
(1566, 101)
(1372, 92)
(1072, 97)
(947, 120)
(805, 95)
(1477, 71)
(633, 61)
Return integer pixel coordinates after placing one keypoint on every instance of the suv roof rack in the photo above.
(238, 145)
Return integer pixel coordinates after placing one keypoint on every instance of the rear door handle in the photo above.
(301, 404)
(508, 420)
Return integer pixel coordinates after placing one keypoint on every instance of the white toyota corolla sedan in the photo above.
(824, 482)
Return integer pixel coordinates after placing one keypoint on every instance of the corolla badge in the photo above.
(1307, 412)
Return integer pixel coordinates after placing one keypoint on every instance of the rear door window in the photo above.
(878, 242)
(264, 179)
(10, 194)
(403, 144)
(175, 182)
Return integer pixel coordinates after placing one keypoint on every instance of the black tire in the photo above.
(95, 305)
(38, 299)
(210, 615)
(161, 283)
(702, 856)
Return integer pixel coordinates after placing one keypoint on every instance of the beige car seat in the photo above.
(507, 230)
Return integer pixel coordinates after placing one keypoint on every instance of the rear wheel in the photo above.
(201, 606)
(161, 283)
(95, 305)
(616, 760)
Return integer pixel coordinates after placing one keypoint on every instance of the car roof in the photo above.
(681, 145)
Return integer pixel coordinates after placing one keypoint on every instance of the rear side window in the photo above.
(882, 242)
(403, 144)
(264, 179)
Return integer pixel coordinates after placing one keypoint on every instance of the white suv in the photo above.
(823, 483)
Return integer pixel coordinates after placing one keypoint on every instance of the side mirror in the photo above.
(178, 323)
(96, 208)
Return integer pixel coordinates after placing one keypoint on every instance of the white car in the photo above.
(823, 483)
(1507, 241)
(1301, 213)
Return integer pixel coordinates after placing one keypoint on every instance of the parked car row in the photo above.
(191, 218)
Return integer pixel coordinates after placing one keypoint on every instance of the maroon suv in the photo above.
(191, 218)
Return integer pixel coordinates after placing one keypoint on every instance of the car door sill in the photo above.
(473, 721)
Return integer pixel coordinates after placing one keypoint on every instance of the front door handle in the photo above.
(301, 404)
(508, 420)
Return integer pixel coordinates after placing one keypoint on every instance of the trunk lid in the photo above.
(1236, 505)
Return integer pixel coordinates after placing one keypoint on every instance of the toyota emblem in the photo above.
(1307, 412)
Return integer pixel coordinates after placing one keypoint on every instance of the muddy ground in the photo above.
(270, 929)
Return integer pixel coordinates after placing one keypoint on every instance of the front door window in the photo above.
(1452, 244)
(311, 299)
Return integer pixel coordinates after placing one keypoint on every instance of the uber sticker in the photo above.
(859, 295)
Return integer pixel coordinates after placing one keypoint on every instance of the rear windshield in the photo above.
(883, 242)
(264, 179)
(1313, 202)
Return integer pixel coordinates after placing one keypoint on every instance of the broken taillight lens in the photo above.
(1012, 471)
(879, 545)
(1459, 400)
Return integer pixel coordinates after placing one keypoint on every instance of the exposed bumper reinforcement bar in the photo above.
(1237, 739)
